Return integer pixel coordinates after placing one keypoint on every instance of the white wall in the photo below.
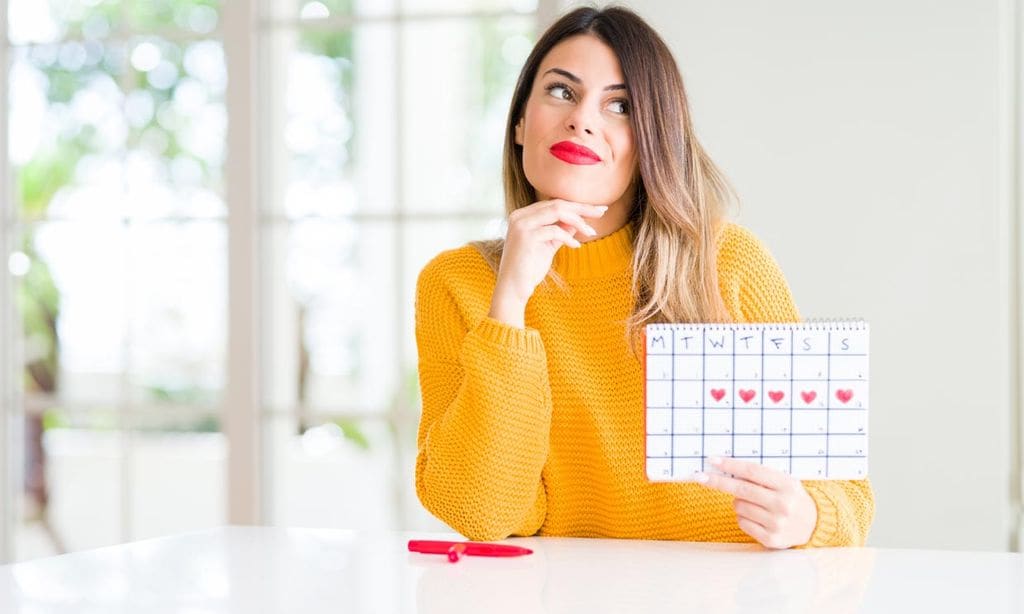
(864, 139)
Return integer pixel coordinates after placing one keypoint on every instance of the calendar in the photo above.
(791, 396)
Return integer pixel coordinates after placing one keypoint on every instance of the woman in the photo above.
(532, 388)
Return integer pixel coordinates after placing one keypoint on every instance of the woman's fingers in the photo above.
(762, 535)
(558, 204)
(741, 489)
(557, 212)
(753, 472)
(755, 513)
(557, 234)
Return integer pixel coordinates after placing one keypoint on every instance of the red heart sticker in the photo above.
(776, 395)
(808, 396)
(844, 395)
(747, 395)
(718, 393)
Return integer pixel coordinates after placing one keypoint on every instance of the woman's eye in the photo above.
(560, 91)
(619, 106)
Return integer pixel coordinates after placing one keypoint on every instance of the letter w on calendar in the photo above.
(793, 396)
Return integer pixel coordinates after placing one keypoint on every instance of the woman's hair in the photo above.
(681, 196)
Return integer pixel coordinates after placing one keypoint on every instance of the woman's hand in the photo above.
(535, 233)
(771, 506)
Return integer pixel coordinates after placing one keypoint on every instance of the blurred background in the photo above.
(214, 212)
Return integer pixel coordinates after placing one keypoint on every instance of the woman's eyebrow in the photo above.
(568, 75)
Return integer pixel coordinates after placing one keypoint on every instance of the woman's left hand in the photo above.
(771, 506)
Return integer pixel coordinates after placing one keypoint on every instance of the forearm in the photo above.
(484, 444)
(507, 308)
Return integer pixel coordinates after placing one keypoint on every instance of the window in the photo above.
(115, 222)
(379, 126)
(384, 137)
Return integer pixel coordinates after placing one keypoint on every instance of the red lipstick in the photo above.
(574, 153)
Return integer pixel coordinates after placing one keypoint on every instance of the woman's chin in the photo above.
(572, 191)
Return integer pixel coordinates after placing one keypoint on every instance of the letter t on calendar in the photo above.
(793, 396)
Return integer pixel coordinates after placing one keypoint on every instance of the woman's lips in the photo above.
(573, 153)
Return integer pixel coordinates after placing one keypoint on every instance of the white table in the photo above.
(249, 569)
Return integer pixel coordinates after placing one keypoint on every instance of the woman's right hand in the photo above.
(535, 233)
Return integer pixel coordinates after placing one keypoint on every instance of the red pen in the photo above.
(427, 546)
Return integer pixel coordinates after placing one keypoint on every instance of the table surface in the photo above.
(263, 569)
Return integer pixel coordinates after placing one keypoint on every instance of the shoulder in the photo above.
(738, 246)
(741, 253)
(749, 277)
(465, 261)
(459, 276)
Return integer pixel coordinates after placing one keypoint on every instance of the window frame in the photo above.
(10, 448)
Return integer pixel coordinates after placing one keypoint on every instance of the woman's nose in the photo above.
(579, 120)
(572, 127)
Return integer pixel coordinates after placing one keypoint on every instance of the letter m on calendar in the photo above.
(793, 396)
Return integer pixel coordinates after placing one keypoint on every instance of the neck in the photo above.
(606, 255)
(612, 221)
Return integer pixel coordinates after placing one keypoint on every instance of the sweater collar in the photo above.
(605, 256)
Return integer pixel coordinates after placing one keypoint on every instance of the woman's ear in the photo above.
(520, 128)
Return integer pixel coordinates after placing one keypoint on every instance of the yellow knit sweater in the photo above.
(541, 430)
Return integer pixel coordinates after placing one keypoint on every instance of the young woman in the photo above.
(533, 409)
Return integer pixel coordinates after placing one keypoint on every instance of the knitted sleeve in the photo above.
(755, 290)
(484, 431)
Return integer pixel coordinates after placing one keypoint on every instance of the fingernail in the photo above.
(576, 243)
(715, 460)
(590, 231)
(701, 478)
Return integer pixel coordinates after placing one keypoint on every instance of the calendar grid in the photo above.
(672, 396)
(760, 447)
(828, 397)
(792, 364)
(732, 442)
(807, 382)
(703, 385)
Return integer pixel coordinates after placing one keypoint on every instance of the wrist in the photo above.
(508, 309)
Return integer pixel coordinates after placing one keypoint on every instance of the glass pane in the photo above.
(71, 297)
(441, 6)
(178, 474)
(177, 276)
(82, 147)
(72, 499)
(45, 21)
(177, 123)
(313, 10)
(458, 82)
(415, 517)
(67, 130)
(196, 16)
(339, 474)
(332, 124)
(329, 301)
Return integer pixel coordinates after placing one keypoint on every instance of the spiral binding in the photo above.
(822, 324)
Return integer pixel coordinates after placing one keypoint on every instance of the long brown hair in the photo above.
(681, 196)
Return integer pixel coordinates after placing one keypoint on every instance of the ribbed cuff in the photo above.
(526, 340)
(828, 519)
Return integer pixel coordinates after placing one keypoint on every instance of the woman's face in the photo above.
(576, 135)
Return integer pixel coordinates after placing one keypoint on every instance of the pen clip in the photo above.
(455, 551)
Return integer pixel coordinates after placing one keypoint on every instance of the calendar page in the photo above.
(789, 396)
